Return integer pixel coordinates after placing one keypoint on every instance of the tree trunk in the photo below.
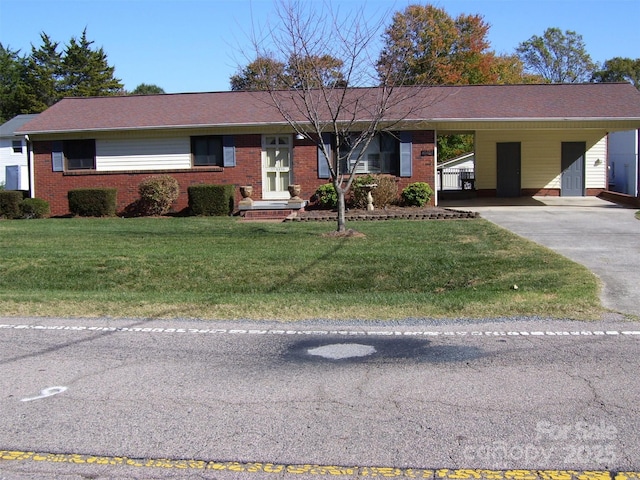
(341, 210)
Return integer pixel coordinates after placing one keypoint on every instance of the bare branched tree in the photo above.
(333, 94)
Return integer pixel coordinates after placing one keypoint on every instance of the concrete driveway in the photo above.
(600, 235)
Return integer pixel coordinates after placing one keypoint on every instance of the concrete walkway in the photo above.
(600, 235)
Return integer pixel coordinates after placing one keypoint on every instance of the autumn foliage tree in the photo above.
(260, 74)
(301, 69)
(425, 45)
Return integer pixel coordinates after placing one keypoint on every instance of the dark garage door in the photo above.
(508, 169)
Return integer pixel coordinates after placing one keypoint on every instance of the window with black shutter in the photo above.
(207, 151)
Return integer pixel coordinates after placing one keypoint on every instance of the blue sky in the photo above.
(196, 45)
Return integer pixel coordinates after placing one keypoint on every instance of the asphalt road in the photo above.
(114, 397)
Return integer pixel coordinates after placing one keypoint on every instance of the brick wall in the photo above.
(305, 164)
(53, 186)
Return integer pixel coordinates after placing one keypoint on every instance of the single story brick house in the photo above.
(529, 140)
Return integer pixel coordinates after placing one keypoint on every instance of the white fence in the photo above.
(456, 179)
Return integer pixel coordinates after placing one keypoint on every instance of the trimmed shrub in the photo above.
(93, 202)
(10, 203)
(211, 200)
(417, 194)
(34, 208)
(385, 194)
(326, 196)
(157, 194)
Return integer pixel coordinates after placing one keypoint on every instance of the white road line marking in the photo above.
(371, 333)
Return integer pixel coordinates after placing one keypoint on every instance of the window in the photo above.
(207, 151)
(381, 155)
(17, 146)
(80, 154)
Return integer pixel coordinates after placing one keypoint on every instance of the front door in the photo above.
(276, 166)
(508, 169)
(573, 168)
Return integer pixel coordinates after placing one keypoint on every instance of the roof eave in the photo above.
(149, 127)
(284, 123)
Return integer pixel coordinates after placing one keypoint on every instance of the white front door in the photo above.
(276, 166)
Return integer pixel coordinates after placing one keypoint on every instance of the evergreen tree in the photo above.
(14, 95)
(44, 73)
(86, 72)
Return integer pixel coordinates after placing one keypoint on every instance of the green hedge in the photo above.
(417, 194)
(93, 202)
(326, 196)
(213, 200)
(10, 201)
(34, 208)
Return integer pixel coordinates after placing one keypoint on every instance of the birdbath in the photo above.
(369, 188)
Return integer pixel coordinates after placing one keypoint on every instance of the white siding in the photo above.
(8, 157)
(143, 154)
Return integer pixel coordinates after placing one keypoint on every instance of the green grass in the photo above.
(220, 268)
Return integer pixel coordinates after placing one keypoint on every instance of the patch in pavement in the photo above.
(381, 349)
(338, 351)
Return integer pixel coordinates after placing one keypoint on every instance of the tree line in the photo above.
(422, 45)
(32, 83)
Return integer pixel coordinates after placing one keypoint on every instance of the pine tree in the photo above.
(86, 72)
(43, 73)
(14, 94)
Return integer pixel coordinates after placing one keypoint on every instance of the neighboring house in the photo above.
(14, 174)
(457, 173)
(624, 174)
(529, 140)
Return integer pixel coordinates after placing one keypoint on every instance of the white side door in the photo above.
(276, 166)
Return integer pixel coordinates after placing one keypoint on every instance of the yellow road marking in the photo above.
(324, 470)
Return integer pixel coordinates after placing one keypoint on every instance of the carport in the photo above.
(539, 139)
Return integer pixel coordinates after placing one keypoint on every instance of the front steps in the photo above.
(280, 210)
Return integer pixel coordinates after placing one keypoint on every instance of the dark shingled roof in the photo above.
(593, 101)
(8, 129)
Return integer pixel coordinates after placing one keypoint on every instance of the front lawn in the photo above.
(221, 268)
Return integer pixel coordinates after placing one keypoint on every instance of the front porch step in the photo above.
(271, 210)
(282, 214)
